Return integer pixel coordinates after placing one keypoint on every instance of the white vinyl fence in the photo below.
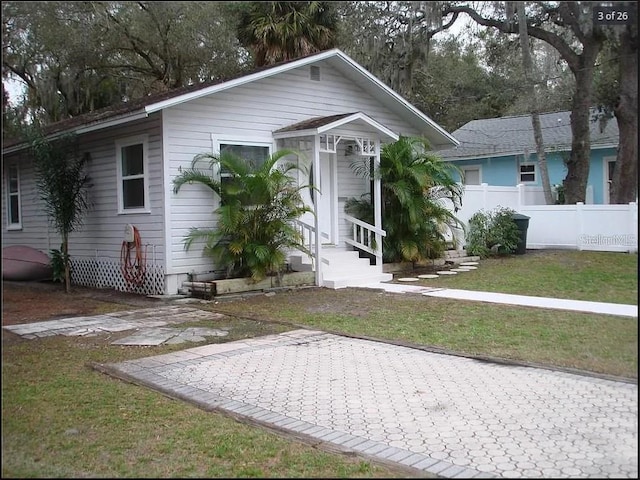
(610, 228)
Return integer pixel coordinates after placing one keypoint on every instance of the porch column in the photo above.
(377, 204)
(316, 209)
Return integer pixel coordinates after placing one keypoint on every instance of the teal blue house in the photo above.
(502, 152)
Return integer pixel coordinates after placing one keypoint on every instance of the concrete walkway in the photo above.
(508, 299)
(441, 415)
(151, 326)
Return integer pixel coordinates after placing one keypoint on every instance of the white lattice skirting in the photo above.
(104, 273)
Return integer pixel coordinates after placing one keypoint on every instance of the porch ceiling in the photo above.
(318, 125)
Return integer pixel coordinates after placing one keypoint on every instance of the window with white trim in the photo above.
(527, 172)
(133, 175)
(472, 174)
(14, 218)
(255, 153)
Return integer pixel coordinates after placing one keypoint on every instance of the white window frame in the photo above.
(230, 140)
(13, 225)
(217, 142)
(464, 169)
(606, 181)
(127, 142)
(534, 173)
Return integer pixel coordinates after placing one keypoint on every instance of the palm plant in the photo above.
(254, 228)
(63, 185)
(416, 185)
(279, 31)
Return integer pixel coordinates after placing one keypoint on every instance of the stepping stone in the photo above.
(469, 264)
(459, 270)
(446, 272)
(429, 275)
(408, 279)
(469, 268)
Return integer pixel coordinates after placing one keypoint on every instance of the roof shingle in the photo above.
(495, 137)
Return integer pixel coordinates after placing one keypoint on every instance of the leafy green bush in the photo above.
(416, 187)
(257, 205)
(492, 233)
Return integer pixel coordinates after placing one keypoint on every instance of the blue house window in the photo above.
(527, 172)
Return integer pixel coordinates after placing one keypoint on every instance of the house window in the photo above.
(255, 153)
(471, 175)
(527, 172)
(13, 198)
(133, 175)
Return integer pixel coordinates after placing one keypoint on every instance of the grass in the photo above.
(63, 419)
(577, 275)
(597, 343)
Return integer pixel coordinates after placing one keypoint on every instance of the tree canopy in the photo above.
(76, 57)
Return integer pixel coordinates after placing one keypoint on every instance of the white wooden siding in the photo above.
(254, 111)
(102, 231)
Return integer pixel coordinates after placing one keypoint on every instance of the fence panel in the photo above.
(610, 228)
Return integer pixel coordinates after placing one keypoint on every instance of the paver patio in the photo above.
(448, 416)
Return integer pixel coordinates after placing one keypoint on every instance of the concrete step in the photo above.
(459, 260)
(354, 280)
(454, 253)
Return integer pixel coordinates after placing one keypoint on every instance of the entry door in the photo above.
(609, 164)
(326, 199)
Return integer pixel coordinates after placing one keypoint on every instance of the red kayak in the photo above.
(22, 263)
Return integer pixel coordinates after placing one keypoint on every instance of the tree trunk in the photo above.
(67, 267)
(575, 183)
(533, 105)
(624, 184)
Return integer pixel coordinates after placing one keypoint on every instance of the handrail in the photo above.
(366, 225)
(308, 233)
(366, 237)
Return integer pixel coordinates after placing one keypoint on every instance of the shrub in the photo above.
(416, 188)
(254, 229)
(492, 233)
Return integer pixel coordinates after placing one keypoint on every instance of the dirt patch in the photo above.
(26, 302)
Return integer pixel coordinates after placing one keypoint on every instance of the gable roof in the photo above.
(142, 107)
(497, 137)
(318, 125)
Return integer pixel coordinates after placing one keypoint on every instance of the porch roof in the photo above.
(318, 125)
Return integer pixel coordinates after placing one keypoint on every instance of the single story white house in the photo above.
(325, 106)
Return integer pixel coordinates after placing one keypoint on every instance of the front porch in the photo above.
(329, 147)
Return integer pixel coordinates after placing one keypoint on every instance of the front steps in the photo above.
(458, 256)
(342, 268)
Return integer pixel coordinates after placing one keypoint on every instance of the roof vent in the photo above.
(315, 73)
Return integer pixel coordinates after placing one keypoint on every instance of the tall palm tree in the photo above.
(254, 229)
(416, 187)
(279, 31)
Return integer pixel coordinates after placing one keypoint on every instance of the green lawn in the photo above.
(597, 343)
(61, 418)
(577, 275)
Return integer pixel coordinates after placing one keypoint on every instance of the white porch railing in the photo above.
(308, 234)
(366, 237)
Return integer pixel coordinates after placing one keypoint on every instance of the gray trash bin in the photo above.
(522, 222)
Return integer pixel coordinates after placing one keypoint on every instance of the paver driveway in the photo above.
(445, 415)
